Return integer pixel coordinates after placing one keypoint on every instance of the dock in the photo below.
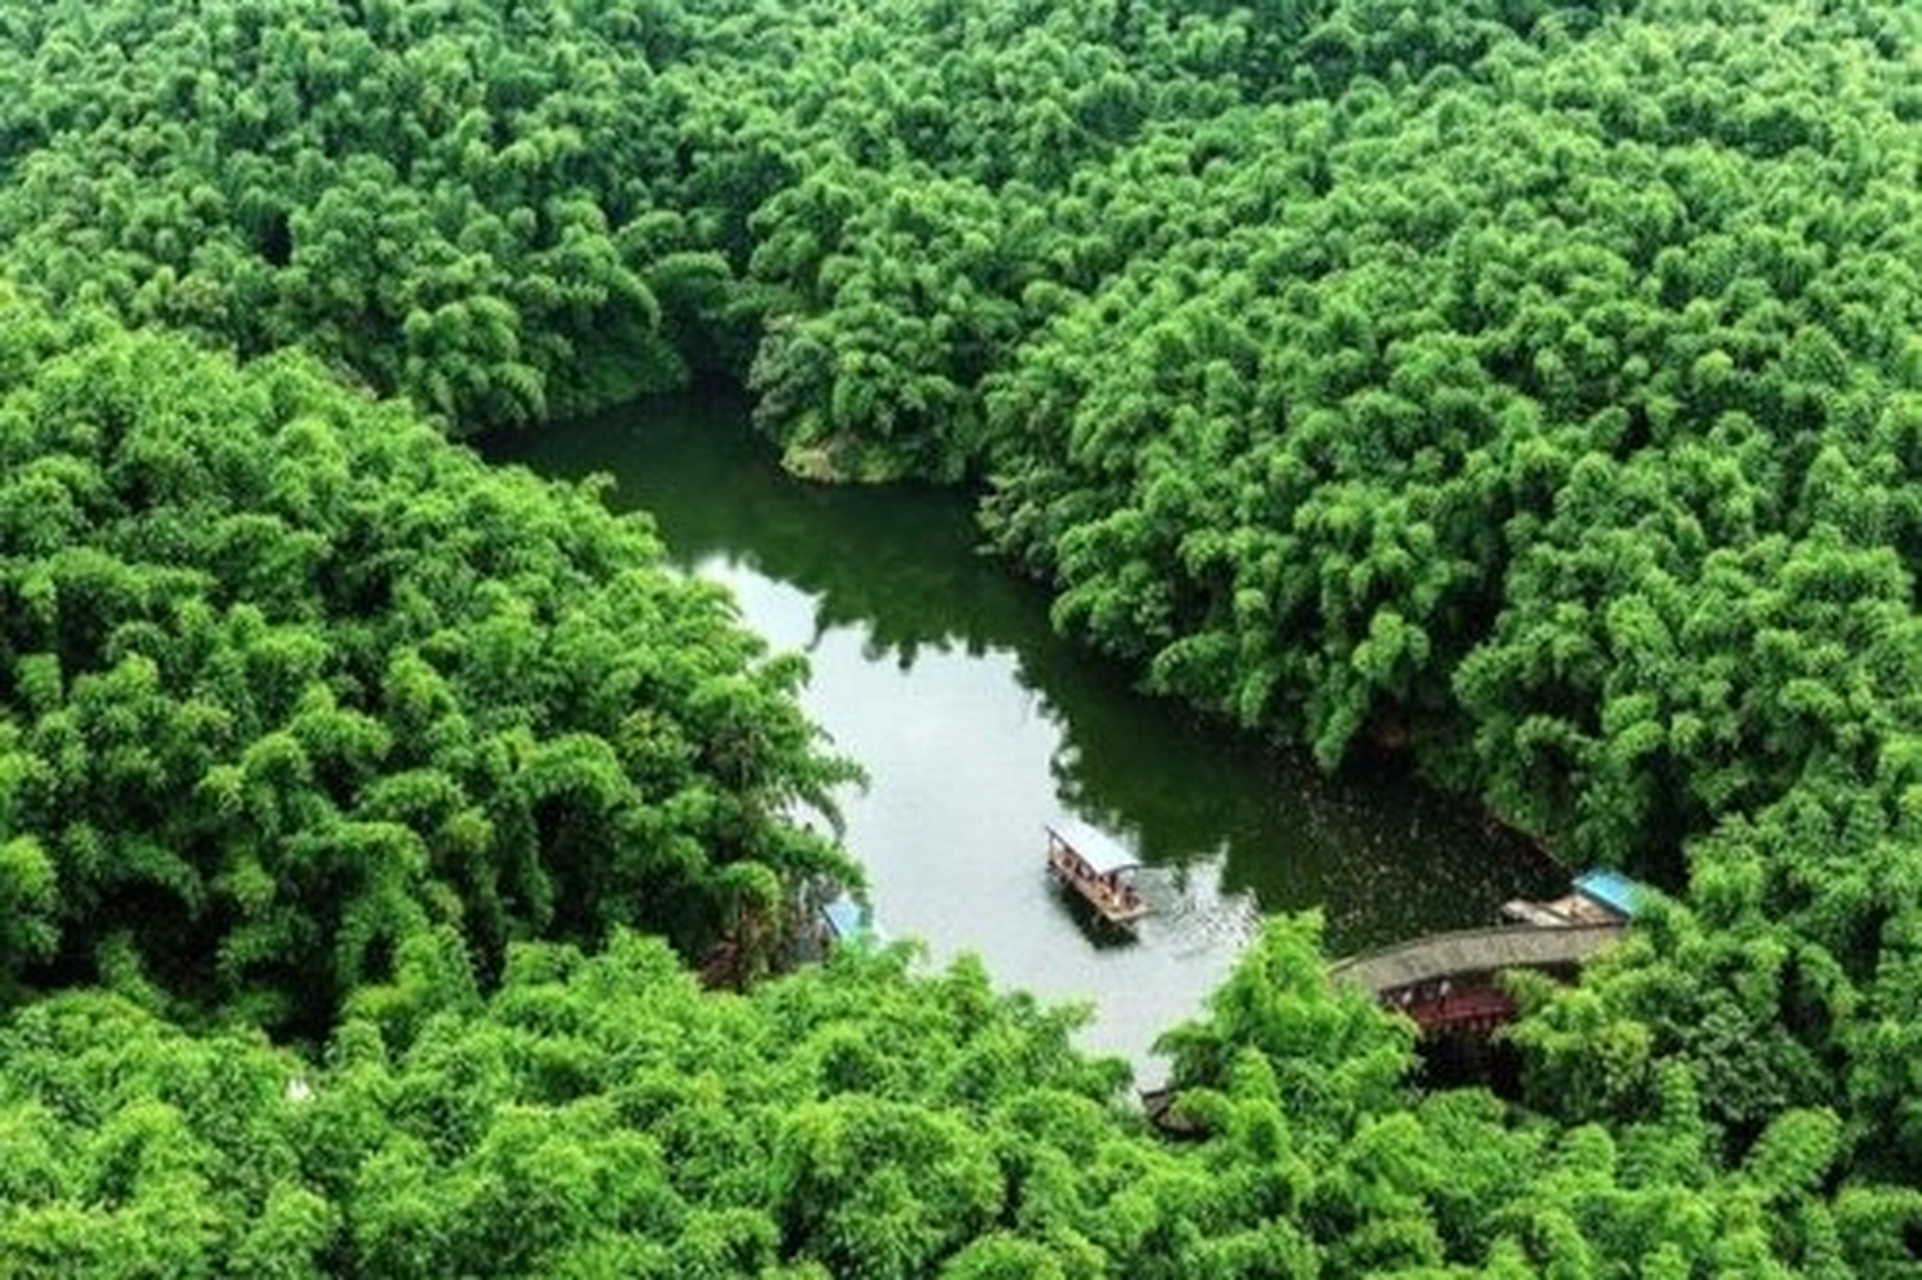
(1108, 888)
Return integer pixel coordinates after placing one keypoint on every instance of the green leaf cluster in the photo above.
(1531, 385)
(458, 202)
(601, 1115)
(286, 680)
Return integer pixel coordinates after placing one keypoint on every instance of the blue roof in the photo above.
(1611, 889)
(848, 918)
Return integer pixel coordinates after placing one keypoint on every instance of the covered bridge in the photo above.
(1445, 981)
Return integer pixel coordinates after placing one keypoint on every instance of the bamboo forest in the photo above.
(1529, 392)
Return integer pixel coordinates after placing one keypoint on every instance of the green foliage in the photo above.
(601, 1113)
(459, 202)
(131, 1149)
(596, 1112)
(1452, 439)
(299, 682)
(1531, 385)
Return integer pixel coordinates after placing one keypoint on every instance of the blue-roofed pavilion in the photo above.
(1610, 890)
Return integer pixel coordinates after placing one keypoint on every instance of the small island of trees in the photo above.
(1529, 388)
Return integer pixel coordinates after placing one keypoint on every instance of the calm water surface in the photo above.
(935, 667)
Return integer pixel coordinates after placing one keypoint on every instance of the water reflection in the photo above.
(936, 668)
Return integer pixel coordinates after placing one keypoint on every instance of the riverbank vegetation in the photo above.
(1530, 386)
(289, 681)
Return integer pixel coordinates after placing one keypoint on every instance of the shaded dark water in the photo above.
(936, 669)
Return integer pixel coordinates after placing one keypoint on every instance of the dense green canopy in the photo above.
(603, 1117)
(286, 679)
(1533, 387)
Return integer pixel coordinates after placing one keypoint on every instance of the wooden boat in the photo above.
(1110, 889)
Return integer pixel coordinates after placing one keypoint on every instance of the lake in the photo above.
(935, 667)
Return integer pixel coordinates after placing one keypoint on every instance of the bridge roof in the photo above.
(1466, 951)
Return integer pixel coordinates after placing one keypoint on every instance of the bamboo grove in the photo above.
(1532, 389)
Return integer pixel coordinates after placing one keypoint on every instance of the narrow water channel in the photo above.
(935, 667)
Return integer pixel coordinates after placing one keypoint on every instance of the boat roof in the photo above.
(1610, 889)
(1103, 851)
